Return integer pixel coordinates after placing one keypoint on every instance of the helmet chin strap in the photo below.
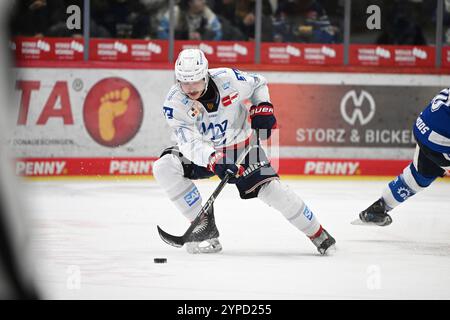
(206, 85)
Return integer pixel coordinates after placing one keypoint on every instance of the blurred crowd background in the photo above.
(404, 22)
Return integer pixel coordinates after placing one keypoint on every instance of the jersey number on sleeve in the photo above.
(168, 112)
(239, 75)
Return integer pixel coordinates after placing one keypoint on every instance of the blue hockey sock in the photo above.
(405, 186)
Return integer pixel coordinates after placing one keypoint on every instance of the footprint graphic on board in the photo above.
(113, 105)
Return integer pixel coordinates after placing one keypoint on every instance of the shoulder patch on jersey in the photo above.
(194, 111)
(226, 101)
(226, 85)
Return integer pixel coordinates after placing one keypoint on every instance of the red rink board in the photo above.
(302, 54)
(48, 52)
(52, 167)
(446, 56)
(221, 51)
(46, 167)
(129, 50)
(341, 167)
(47, 49)
(392, 56)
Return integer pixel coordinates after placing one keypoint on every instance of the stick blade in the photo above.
(175, 241)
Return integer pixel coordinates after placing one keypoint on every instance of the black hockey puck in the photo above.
(160, 260)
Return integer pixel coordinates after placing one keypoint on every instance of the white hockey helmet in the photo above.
(191, 65)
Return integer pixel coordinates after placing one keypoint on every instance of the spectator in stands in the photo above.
(194, 20)
(230, 31)
(303, 21)
(33, 18)
(446, 39)
(39, 18)
(155, 10)
(59, 29)
(225, 11)
(241, 13)
(401, 26)
(122, 18)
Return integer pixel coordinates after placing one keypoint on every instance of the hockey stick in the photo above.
(181, 240)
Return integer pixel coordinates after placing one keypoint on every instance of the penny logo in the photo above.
(113, 112)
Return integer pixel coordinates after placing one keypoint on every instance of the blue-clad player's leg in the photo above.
(418, 175)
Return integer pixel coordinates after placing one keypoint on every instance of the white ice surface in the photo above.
(97, 240)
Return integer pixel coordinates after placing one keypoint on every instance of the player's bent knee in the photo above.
(167, 165)
(250, 189)
(266, 190)
(281, 197)
(416, 179)
(273, 191)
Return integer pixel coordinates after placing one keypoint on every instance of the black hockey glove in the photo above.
(220, 165)
(262, 117)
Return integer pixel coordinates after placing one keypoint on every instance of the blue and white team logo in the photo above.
(308, 213)
(404, 193)
(217, 130)
(440, 100)
(400, 189)
(192, 196)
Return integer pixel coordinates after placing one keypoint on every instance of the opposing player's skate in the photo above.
(375, 215)
(323, 241)
(204, 238)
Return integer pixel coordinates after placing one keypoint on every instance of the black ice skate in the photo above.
(376, 214)
(204, 238)
(323, 241)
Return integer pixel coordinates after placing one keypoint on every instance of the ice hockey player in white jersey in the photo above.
(210, 126)
(431, 160)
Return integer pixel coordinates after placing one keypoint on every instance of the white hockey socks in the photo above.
(168, 171)
(283, 199)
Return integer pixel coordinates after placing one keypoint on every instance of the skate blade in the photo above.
(207, 246)
(329, 251)
(359, 222)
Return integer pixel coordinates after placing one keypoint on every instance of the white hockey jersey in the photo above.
(197, 132)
